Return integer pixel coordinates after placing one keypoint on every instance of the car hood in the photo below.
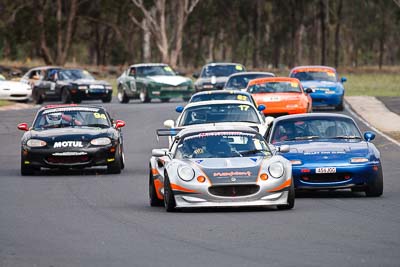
(84, 134)
(170, 80)
(277, 97)
(89, 82)
(227, 170)
(13, 85)
(319, 84)
(337, 150)
(213, 80)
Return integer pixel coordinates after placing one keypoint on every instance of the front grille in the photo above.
(68, 159)
(326, 177)
(18, 95)
(233, 190)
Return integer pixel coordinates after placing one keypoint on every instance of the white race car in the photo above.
(13, 90)
(219, 166)
(222, 112)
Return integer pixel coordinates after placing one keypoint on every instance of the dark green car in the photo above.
(153, 81)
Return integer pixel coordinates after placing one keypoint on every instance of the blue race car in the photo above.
(328, 152)
(328, 91)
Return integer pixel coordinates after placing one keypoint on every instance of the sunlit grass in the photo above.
(5, 103)
(372, 84)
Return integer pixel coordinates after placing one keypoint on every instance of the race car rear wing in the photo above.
(168, 132)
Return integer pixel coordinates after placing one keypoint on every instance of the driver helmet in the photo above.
(54, 118)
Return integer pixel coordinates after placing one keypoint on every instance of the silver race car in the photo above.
(219, 166)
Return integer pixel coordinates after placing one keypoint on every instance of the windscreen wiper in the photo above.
(310, 137)
(346, 137)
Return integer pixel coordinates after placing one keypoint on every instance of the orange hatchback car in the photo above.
(280, 95)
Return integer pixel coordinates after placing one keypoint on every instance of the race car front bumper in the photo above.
(326, 100)
(346, 176)
(69, 158)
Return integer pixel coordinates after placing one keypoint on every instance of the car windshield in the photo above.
(321, 75)
(71, 117)
(275, 87)
(222, 145)
(315, 128)
(74, 75)
(220, 70)
(238, 82)
(154, 71)
(219, 113)
(216, 95)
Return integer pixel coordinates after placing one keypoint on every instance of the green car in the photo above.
(149, 81)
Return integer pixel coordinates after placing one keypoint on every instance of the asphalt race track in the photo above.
(90, 218)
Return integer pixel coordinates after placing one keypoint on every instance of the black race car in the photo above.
(72, 136)
(214, 75)
(69, 85)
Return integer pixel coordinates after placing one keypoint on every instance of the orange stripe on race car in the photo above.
(154, 172)
(273, 79)
(158, 185)
(180, 188)
(282, 186)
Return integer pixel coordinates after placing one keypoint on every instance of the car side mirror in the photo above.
(283, 148)
(119, 124)
(343, 79)
(308, 90)
(23, 127)
(261, 107)
(196, 75)
(179, 109)
(169, 124)
(159, 152)
(369, 136)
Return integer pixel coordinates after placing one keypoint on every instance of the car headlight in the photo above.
(36, 143)
(276, 169)
(82, 87)
(102, 141)
(358, 160)
(186, 173)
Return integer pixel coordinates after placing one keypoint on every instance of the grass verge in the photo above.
(5, 103)
(372, 84)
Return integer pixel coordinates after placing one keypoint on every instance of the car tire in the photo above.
(153, 199)
(144, 96)
(65, 96)
(375, 187)
(37, 98)
(165, 100)
(115, 167)
(340, 107)
(291, 199)
(121, 95)
(107, 99)
(169, 199)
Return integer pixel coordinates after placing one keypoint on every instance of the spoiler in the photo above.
(168, 132)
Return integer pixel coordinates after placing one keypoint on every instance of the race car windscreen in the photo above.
(71, 117)
(220, 70)
(303, 76)
(222, 145)
(219, 113)
(315, 128)
(74, 75)
(275, 87)
(154, 71)
(241, 81)
(219, 96)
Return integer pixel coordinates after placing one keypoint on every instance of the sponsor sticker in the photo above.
(242, 97)
(238, 67)
(63, 144)
(232, 173)
(66, 109)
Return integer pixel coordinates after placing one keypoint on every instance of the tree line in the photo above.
(189, 33)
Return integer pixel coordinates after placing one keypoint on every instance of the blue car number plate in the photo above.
(96, 91)
(325, 170)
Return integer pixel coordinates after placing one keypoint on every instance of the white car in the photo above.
(228, 112)
(12, 90)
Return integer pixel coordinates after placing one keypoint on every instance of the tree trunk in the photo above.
(337, 32)
(146, 46)
(323, 20)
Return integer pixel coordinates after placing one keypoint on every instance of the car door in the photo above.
(130, 79)
(48, 82)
